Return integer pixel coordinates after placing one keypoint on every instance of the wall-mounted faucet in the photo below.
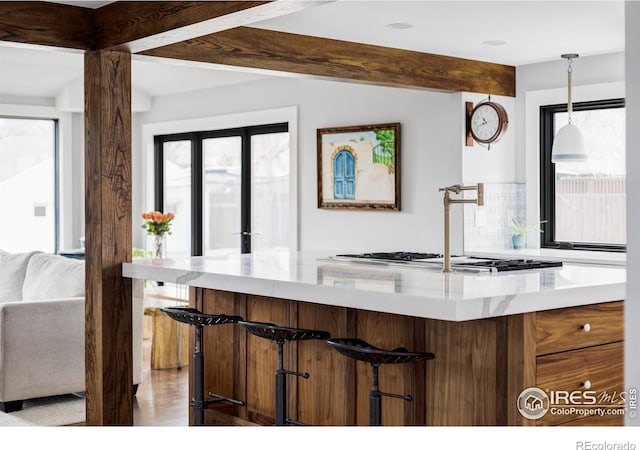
(456, 189)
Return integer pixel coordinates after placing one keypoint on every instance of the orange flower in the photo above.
(156, 223)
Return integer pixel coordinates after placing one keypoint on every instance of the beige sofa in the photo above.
(42, 326)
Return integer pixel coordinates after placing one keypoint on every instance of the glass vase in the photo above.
(159, 248)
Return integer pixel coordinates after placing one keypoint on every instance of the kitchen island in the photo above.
(493, 335)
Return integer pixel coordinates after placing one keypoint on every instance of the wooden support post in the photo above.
(108, 357)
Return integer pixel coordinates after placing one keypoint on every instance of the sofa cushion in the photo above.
(13, 267)
(53, 276)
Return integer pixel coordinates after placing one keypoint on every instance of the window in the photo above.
(584, 202)
(173, 189)
(28, 185)
(229, 189)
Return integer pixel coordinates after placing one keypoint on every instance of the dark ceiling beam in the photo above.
(287, 53)
(140, 26)
(49, 24)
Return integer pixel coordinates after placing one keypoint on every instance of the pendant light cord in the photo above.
(569, 78)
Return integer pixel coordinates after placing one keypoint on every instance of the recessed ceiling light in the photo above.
(400, 25)
(494, 42)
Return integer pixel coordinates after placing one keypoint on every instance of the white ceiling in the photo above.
(534, 31)
(22, 74)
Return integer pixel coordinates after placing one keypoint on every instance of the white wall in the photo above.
(137, 183)
(78, 177)
(33, 101)
(431, 154)
(632, 303)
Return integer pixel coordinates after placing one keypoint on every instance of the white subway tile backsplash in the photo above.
(502, 202)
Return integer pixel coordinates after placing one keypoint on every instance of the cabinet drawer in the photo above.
(566, 329)
(602, 366)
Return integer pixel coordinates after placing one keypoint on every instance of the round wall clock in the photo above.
(488, 122)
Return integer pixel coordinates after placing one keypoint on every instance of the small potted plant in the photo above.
(519, 236)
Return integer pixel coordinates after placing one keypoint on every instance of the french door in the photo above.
(229, 189)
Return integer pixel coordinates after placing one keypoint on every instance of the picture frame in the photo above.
(359, 167)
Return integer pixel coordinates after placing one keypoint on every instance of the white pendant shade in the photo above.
(568, 145)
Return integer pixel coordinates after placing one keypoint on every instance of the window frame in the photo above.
(56, 172)
(548, 178)
(197, 181)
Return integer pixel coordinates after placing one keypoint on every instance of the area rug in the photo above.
(47, 412)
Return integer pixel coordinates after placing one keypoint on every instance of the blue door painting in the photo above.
(344, 169)
(359, 167)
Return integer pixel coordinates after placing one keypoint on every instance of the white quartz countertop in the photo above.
(549, 254)
(412, 291)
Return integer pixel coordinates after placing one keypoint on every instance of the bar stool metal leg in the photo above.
(375, 400)
(281, 335)
(197, 402)
(281, 388)
(363, 351)
(199, 320)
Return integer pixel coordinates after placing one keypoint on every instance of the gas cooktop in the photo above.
(395, 256)
(470, 263)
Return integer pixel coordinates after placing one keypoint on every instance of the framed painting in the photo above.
(359, 167)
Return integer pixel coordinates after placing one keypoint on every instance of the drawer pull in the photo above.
(586, 327)
(587, 384)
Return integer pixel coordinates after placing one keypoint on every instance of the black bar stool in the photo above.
(282, 335)
(363, 351)
(199, 320)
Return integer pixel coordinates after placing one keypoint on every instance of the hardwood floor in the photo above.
(162, 398)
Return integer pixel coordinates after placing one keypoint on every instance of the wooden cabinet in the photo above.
(588, 373)
(564, 329)
(480, 366)
(580, 350)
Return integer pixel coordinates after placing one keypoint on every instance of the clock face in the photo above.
(488, 122)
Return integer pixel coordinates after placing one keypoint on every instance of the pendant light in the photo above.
(568, 145)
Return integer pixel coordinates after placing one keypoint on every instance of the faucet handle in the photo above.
(480, 196)
(456, 188)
